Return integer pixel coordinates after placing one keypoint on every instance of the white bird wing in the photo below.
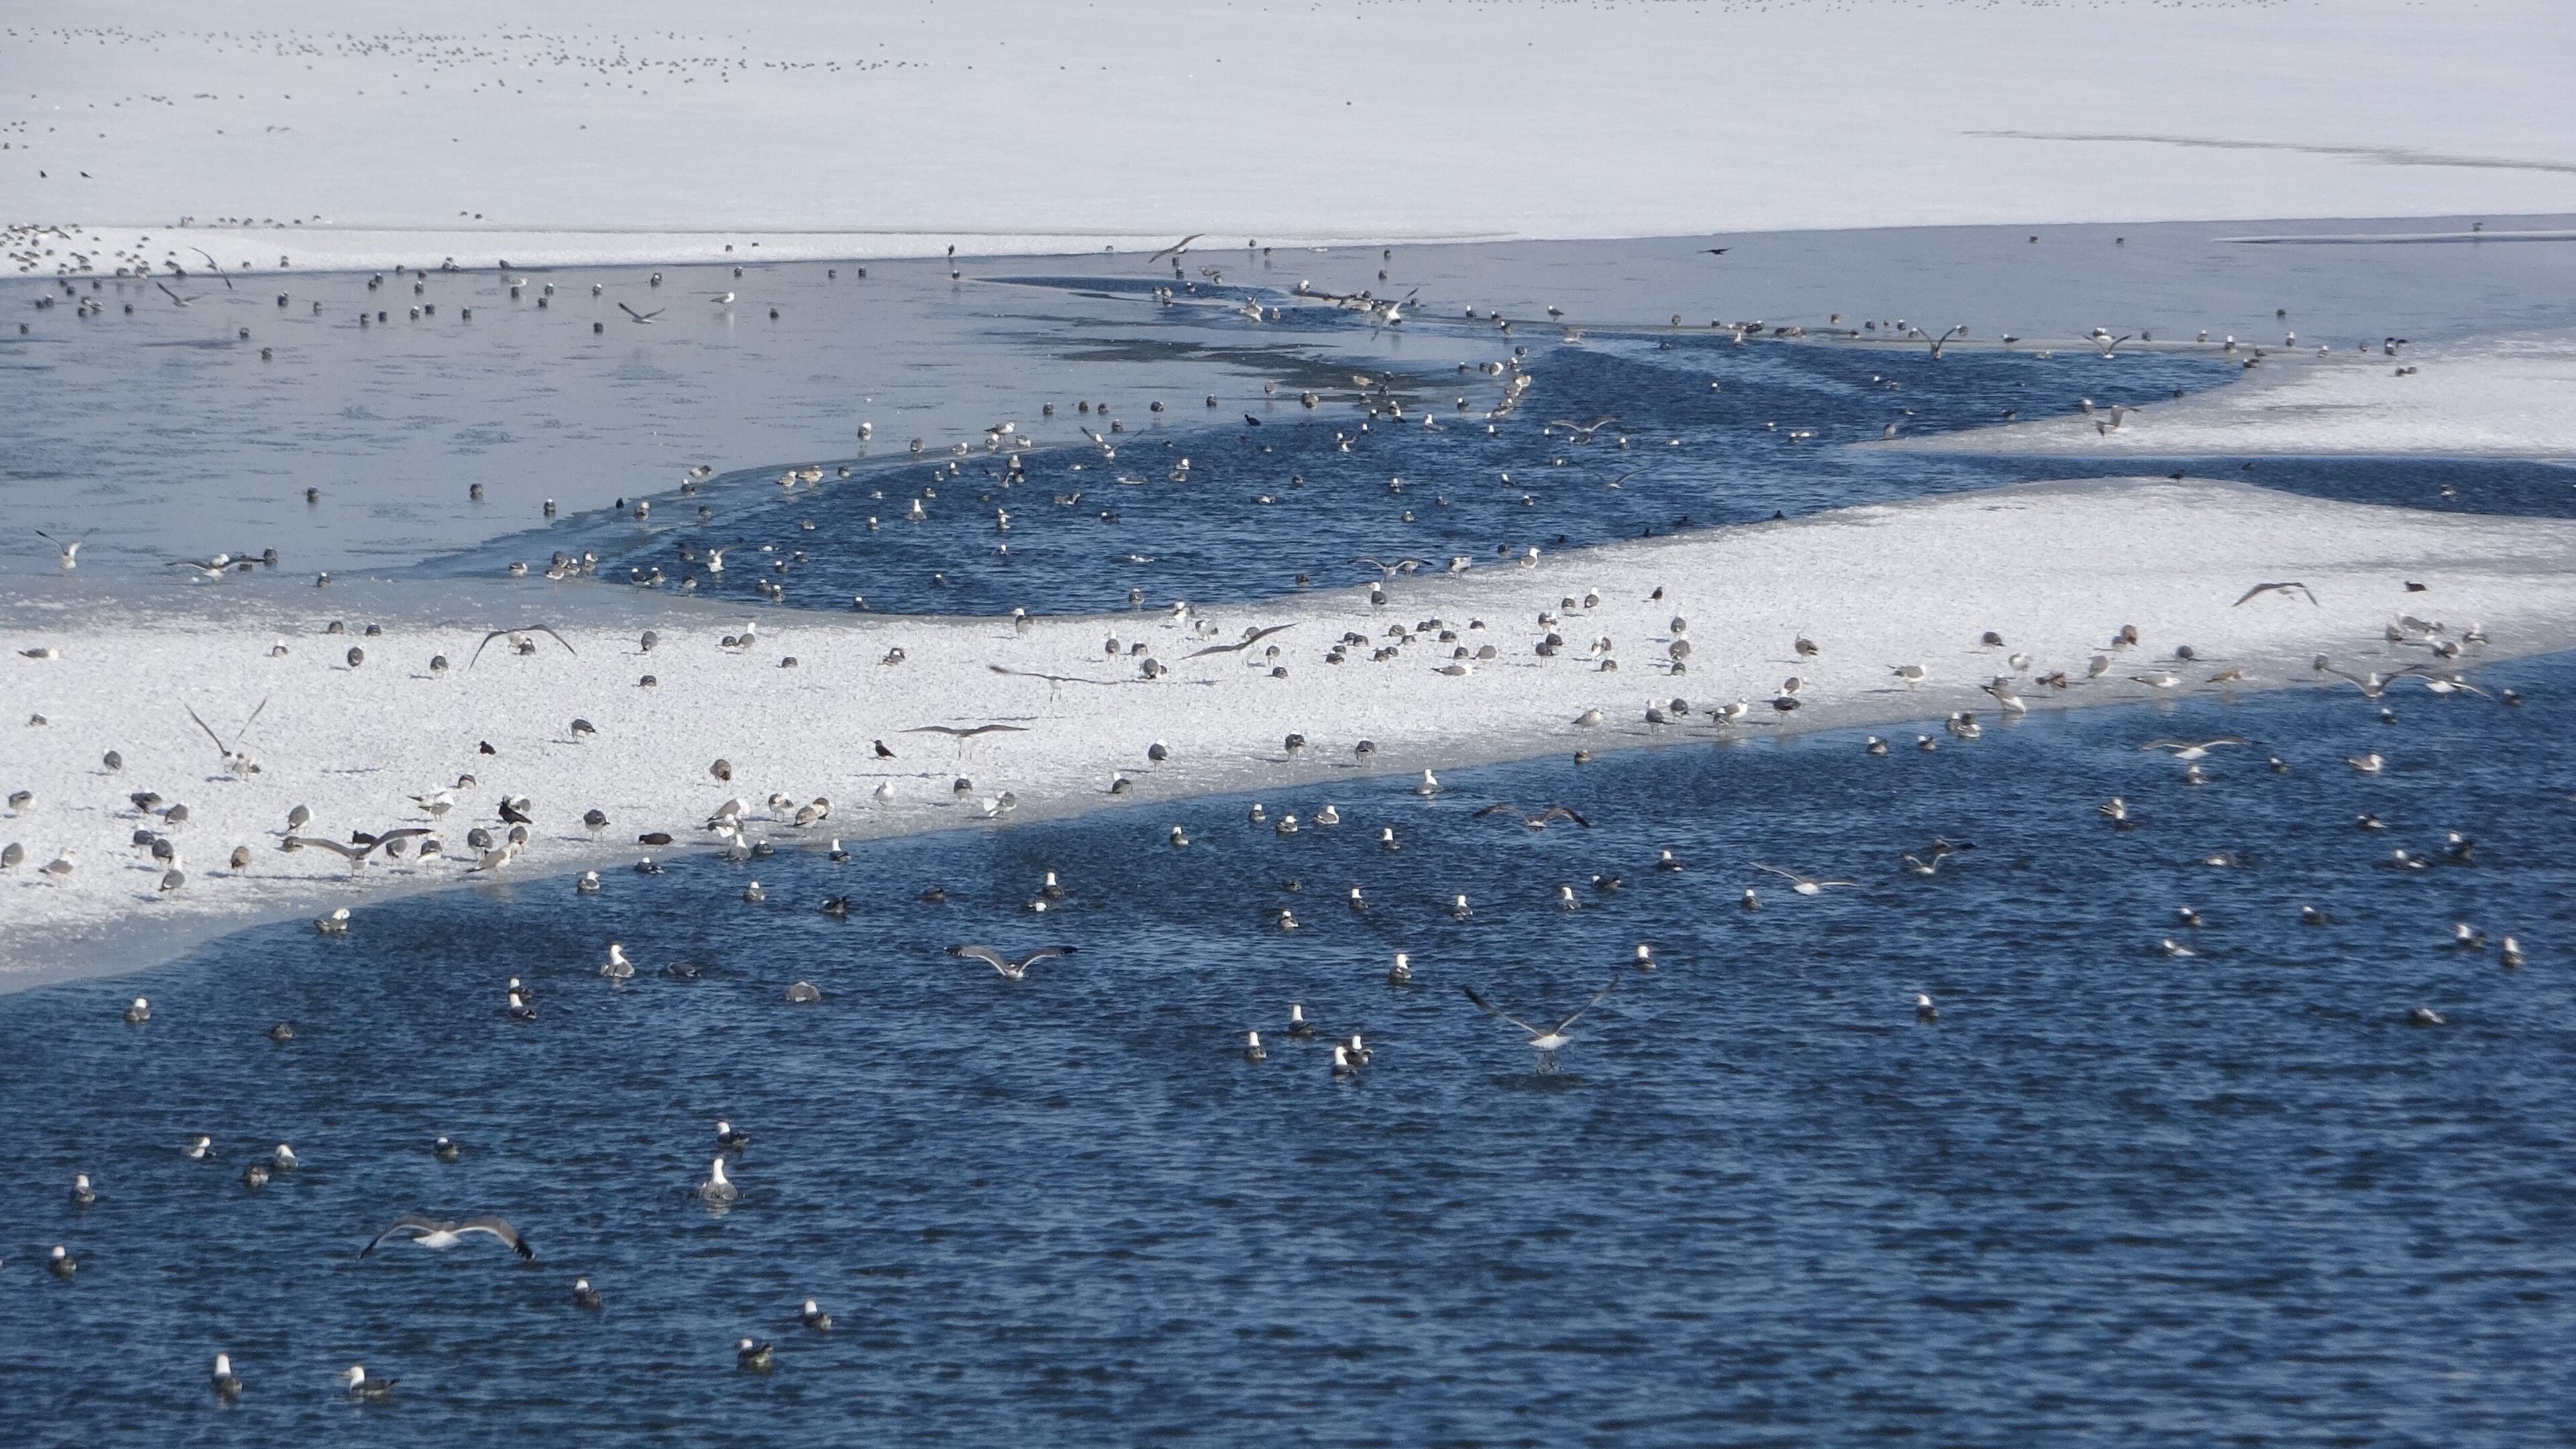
(1598, 997)
(985, 954)
(209, 729)
(348, 852)
(412, 1223)
(1775, 870)
(499, 1228)
(1490, 1009)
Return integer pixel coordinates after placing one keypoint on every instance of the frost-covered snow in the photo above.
(987, 122)
(2056, 568)
(2509, 398)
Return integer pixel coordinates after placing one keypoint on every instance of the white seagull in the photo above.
(1546, 1041)
(440, 1233)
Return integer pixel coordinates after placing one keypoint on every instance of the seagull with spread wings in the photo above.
(1535, 822)
(1250, 638)
(2189, 750)
(429, 1232)
(2283, 589)
(355, 852)
(1801, 884)
(957, 732)
(512, 635)
(71, 550)
(1176, 250)
(1546, 1041)
(1581, 432)
(218, 266)
(237, 761)
(175, 297)
(642, 318)
(1052, 680)
(1390, 570)
(1011, 968)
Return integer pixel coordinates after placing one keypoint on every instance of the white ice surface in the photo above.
(2055, 567)
(2508, 398)
(988, 121)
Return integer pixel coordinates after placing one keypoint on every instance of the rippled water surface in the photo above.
(2111, 1195)
(1263, 494)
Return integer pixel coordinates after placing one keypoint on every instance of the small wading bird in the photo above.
(1546, 1041)
(430, 1232)
(1010, 968)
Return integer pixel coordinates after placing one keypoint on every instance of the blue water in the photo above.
(1206, 503)
(2110, 1197)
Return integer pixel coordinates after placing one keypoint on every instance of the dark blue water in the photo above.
(1261, 495)
(2110, 1197)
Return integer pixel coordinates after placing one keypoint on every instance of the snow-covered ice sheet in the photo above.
(985, 121)
(2514, 397)
(2056, 568)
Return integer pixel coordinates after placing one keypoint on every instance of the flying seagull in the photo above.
(1545, 1041)
(1250, 638)
(524, 629)
(235, 760)
(1034, 674)
(1534, 822)
(1800, 884)
(2188, 750)
(173, 296)
(431, 1232)
(1581, 432)
(645, 318)
(355, 854)
(1390, 570)
(2282, 589)
(956, 733)
(218, 266)
(1004, 964)
(1175, 249)
(71, 550)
